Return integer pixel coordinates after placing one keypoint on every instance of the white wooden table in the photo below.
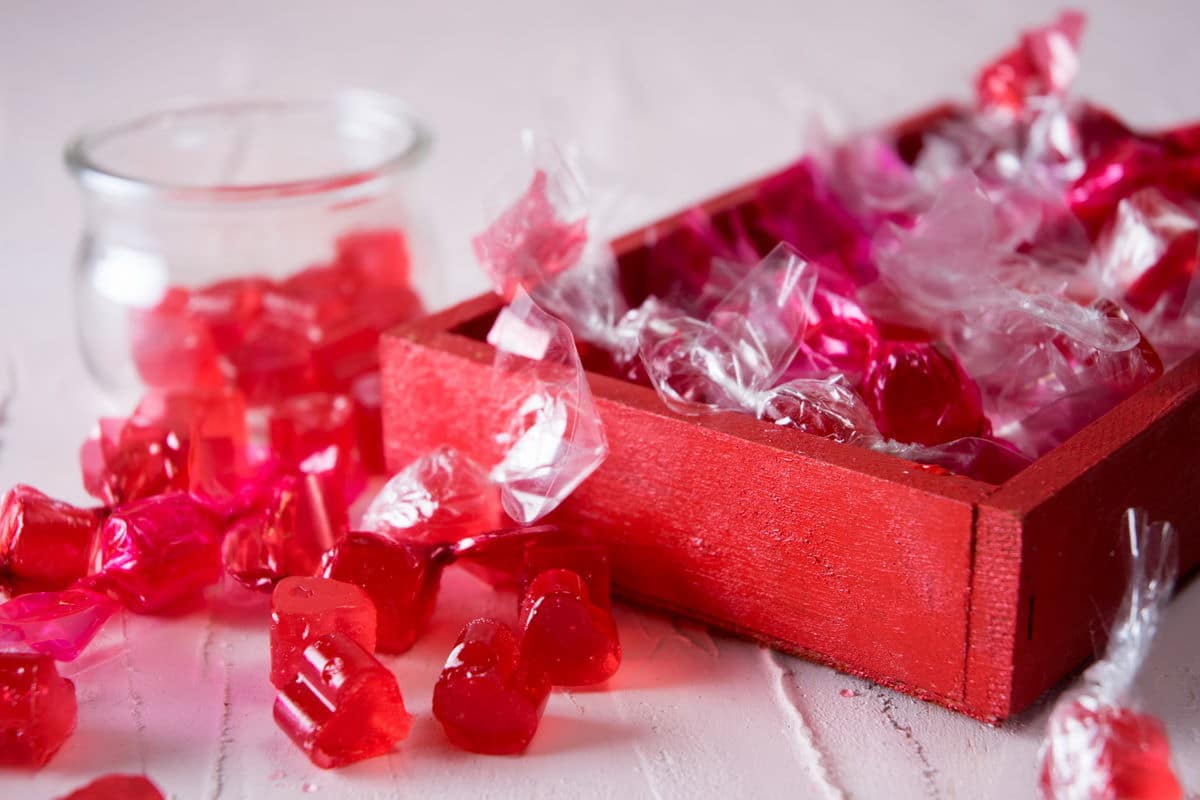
(688, 97)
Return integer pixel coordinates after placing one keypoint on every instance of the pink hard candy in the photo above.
(44, 542)
(157, 552)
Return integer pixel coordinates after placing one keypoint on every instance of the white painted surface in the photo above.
(687, 97)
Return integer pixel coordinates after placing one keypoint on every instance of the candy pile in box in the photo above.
(884, 407)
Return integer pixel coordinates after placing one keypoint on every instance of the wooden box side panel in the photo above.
(863, 572)
(1061, 521)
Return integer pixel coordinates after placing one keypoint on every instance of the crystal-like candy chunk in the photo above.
(37, 709)
(344, 706)
(485, 699)
(304, 609)
(402, 579)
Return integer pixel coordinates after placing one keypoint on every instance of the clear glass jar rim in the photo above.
(92, 174)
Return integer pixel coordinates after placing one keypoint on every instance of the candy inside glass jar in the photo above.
(259, 245)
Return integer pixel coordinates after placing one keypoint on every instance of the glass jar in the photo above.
(221, 238)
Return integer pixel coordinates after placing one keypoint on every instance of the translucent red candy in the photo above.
(343, 706)
(401, 577)
(559, 550)
(919, 393)
(304, 609)
(60, 624)
(157, 552)
(294, 522)
(566, 632)
(117, 787)
(314, 332)
(37, 709)
(127, 460)
(316, 434)
(487, 700)
(44, 542)
(366, 392)
(173, 348)
(1107, 752)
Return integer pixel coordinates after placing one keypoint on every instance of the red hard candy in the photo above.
(559, 550)
(375, 257)
(344, 706)
(172, 347)
(487, 700)
(565, 633)
(316, 434)
(1104, 752)
(117, 787)
(228, 308)
(304, 609)
(127, 460)
(920, 394)
(44, 541)
(37, 709)
(157, 552)
(273, 362)
(401, 577)
(292, 524)
(366, 391)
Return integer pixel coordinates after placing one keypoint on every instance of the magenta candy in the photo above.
(919, 393)
(157, 553)
(60, 624)
(127, 460)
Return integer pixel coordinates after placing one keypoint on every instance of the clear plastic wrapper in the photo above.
(986, 281)
(727, 361)
(1098, 745)
(552, 437)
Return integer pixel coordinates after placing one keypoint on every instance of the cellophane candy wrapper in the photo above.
(548, 437)
(550, 243)
(730, 359)
(1098, 745)
(978, 283)
(552, 437)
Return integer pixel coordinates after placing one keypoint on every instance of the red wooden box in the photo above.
(974, 596)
